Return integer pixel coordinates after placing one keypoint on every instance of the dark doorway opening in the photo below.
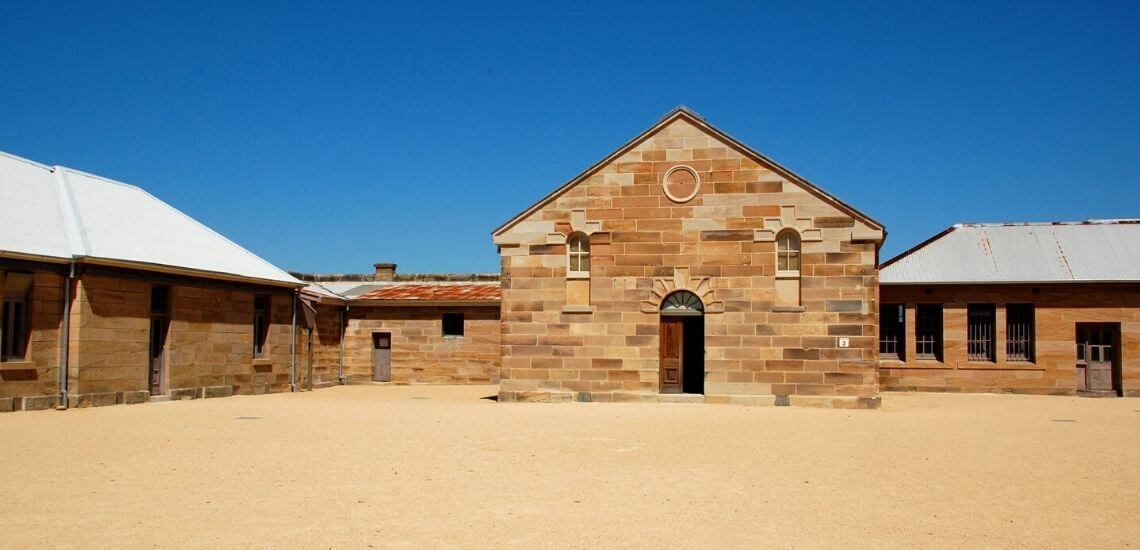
(159, 330)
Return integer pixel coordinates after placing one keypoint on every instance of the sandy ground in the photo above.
(375, 466)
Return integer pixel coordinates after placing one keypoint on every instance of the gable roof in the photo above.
(684, 113)
(1089, 251)
(64, 214)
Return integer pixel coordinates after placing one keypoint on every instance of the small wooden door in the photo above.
(1097, 348)
(382, 356)
(158, 330)
(672, 352)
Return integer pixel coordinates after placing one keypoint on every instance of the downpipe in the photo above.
(65, 340)
(293, 348)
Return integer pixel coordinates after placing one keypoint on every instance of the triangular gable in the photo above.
(684, 113)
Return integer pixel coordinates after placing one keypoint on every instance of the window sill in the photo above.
(262, 361)
(452, 336)
(787, 274)
(20, 364)
(788, 309)
(578, 275)
(577, 309)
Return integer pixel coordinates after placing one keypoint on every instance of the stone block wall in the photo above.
(325, 348)
(1057, 310)
(209, 343)
(420, 352)
(211, 340)
(33, 382)
(644, 244)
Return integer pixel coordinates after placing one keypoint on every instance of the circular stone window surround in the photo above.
(665, 183)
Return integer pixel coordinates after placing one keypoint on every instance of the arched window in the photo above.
(788, 251)
(578, 250)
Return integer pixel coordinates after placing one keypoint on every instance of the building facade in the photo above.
(687, 266)
(1015, 308)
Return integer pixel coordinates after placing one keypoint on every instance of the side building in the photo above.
(687, 266)
(405, 328)
(1044, 308)
(112, 296)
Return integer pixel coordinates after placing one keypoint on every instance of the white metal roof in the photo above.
(61, 213)
(31, 221)
(1093, 251)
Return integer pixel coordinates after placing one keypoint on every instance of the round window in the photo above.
(681, 183)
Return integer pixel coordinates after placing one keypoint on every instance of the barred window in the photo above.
(1019, 332)
(578, 250)
(980, 329)
(928, 331)
(788, 251)
(892, 323)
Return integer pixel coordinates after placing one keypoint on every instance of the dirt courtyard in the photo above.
(385, 466)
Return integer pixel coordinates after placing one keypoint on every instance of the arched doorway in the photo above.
(682, 359)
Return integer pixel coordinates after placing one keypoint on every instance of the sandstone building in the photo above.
(407, 329)
(1048, 308)
(112, 296)
(687, 263)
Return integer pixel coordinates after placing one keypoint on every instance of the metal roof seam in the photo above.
(70, 214)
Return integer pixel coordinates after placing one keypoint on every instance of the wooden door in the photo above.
(158, 330)
(672, 351)
(1097, 349)
(382, 356)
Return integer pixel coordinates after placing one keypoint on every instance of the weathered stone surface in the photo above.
(134, 397)
(217, 391)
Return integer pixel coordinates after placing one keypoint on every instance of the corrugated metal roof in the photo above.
(1094, 251)
(437, 292)
(64, 214)
(319, 292)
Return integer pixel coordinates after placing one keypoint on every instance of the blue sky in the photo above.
(326, 137)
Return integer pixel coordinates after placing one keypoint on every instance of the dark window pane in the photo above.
(453, 324)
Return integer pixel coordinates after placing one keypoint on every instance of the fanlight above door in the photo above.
(682, 303)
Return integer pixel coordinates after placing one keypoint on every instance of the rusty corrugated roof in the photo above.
(1089, 251)
(437, 292)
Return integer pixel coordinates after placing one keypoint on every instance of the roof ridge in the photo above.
(26, 161)
(1094, 221)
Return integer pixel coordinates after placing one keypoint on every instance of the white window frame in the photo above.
(797, 254)
(583, 253)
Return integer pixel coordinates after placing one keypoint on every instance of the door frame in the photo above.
(1117, 383)
(377, 347)
(689, 344)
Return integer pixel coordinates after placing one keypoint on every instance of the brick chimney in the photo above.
(385, 272)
